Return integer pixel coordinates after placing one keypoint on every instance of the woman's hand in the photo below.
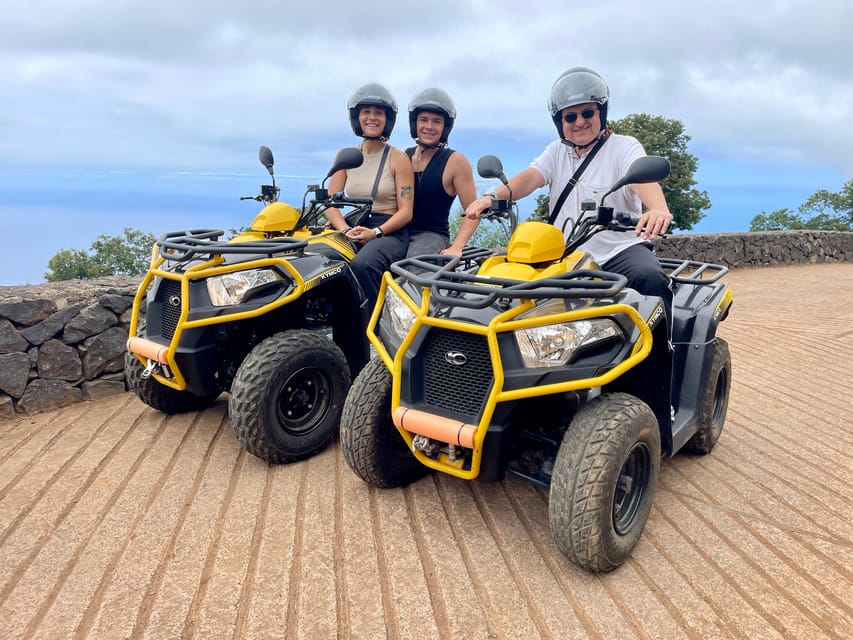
(361, 235)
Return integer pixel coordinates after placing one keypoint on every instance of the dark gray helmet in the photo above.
(578, 85)
(373, 94)
(435, 101)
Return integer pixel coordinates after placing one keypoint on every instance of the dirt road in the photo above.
(116, 521)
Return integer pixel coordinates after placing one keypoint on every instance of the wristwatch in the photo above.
(378, 231)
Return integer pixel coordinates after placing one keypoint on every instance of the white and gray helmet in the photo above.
(578, 85)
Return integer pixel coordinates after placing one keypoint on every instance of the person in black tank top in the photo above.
(441, 174)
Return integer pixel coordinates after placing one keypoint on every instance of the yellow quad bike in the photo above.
(274, 316)
(540, 364)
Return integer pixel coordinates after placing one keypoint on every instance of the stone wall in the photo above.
(760, 249)
(64, 342)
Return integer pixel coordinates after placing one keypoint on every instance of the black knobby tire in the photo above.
(371, 444)
(287, 396)
(715, 403)
(159, 396)
(604, 481)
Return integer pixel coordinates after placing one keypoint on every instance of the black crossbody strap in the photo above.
(361, 217)
(379, 172)
(574, 179)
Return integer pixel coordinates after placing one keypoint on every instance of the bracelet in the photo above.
(491, 194)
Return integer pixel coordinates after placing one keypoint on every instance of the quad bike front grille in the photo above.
(170, 295)
(457, 371)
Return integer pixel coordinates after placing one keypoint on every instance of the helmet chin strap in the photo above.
(374, 137)
(581, 147)
(437, 145)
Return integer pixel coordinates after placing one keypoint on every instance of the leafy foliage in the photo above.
(823, 210)
(488, 235)
(109, 256)
(665, 137)
(660, 137)
(541, 213)
(72, 264)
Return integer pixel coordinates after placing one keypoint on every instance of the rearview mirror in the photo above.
(642, 170)
(265, 156)
(491, 167)
(346, 158)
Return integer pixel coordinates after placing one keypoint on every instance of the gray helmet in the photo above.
(578, 85)
(436, 101)
(373, 94)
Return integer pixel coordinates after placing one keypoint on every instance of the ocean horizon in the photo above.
(38, 219)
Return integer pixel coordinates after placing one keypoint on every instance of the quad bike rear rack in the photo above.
(692, 272)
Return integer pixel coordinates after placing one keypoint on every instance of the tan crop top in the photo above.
(360, 182)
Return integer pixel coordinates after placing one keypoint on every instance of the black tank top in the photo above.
(431, 207)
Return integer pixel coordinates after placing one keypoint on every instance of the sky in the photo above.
(149, 115)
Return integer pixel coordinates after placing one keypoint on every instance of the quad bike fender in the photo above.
(694, 356)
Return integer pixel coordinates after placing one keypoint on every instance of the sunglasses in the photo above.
(587, 114)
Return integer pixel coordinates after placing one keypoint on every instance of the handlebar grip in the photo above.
(340, 197)
(499, 205)
(626, 218)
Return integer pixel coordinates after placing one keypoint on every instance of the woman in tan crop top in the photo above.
(382, 237)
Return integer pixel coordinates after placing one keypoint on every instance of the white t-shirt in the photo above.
(558, 163)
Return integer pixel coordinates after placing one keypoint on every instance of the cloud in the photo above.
(194, 84)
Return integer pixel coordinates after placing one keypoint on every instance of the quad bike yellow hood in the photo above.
(535, 242)
(276, 216)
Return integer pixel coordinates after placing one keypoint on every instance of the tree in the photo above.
(665, 137)
(110, 256)
(487, 236)
(660, 137)
(541, 212)
(72, 264)
(823, 210)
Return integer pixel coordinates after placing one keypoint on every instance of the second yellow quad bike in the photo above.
(273, 316)
(536, 362)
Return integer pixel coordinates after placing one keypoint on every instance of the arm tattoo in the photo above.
(406, 192)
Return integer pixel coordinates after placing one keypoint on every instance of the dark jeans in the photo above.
(640, 265)
(374, 258)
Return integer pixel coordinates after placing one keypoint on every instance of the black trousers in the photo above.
(639, 264)
(374, 258)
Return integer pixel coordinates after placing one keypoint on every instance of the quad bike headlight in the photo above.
(231, 288)
(400, 316)
(552, 345)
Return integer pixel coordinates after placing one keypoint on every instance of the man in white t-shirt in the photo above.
(578, 106)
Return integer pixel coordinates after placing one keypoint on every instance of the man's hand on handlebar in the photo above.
(476, 208)
(653, 223)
